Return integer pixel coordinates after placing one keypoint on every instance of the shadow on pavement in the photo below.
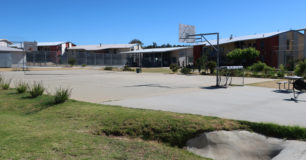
(149, 85)
(294, 100)
(212, 87)
(283, 91)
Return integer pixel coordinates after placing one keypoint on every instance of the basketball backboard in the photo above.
(30, 46)
(184, 33)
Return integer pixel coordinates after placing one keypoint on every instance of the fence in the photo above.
(47, 58)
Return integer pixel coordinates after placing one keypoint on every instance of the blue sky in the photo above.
(119, 21)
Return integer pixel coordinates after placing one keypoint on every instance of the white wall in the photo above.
(18, 59)
(5, 60)
(3, 43)
(11, 59)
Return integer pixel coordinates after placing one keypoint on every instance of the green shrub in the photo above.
(72, 61)
(174, 67)
(270, 74)
(211, 65)
(243, 56)
(281, 71)
(21, 87)
(300, 68)
(185, 70)
(5, 84)
(1, 78)
(37, 89)
(61, 95)
(260, 67)
(200, 63)
(127, 68)
(108, 68)
(84, 65)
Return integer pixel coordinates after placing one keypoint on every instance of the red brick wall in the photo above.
(269, 50)
(197, 51)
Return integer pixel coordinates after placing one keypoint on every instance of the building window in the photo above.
(262, 45)
(173, 59)
(288, 44)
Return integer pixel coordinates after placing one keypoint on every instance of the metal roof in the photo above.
(242, 38)
(101, 47)
(50, 43)
(157, 50)
(9, 49)
(5, 40)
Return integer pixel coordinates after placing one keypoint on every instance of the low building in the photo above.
(160, 57)
(59, 48)
(275, 48)
(105, 48)
(11, 57)
(102, 54)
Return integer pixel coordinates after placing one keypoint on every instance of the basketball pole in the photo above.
(218, 60)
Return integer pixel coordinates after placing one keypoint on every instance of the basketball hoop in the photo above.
(187, 34)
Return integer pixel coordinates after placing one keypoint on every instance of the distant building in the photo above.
(105, 48)
(11, 57)
(57, 47)
(160, 57)
(275, 48)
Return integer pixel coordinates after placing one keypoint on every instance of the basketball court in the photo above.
(172, 92)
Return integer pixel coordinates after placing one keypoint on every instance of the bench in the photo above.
(282, 82)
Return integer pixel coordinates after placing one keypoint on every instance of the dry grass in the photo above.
(268, 84)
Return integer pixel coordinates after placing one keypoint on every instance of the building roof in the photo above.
(101, 47)
(9, 49)
(242, 38)
(50, 43)
(5, 40)
(157, 50)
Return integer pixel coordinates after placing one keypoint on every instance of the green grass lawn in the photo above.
(37, 129)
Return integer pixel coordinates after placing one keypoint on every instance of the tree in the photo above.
(211, 65)
(136, 41)
(244, 57)
(200, 63)
(300, 68)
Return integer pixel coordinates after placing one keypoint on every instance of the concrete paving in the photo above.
(242, 103)
(100, 86)
(176, 93)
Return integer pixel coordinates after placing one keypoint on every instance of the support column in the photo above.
(305, 43)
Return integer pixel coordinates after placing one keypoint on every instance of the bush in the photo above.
(243, 56)
(260, 67)
(72, 61)
(300, 68)
(1, 78)
(108, 68)
(127, 68)
(84, 65)
(281, 72)
(186, 70)
(21, 87)
(37, 89)
(5, 84)
(211, 65)
(174, 67)
(201, 63)
(61, 95)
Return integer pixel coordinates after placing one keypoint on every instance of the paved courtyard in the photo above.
(176, 93)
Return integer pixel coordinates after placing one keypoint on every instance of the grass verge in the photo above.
(38, 129)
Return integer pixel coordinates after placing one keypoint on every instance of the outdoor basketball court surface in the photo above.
(176, 93)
